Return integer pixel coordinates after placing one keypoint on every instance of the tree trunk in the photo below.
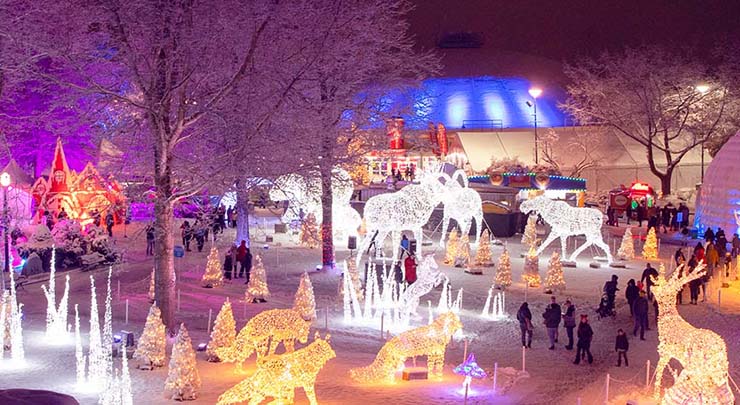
(665, 182)
(164, 263)
(327, 237)
(242, 216)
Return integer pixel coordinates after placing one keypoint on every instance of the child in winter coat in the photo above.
(585, 335)
(621, 347)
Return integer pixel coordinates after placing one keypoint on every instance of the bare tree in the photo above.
(668, 103)
(583, 151)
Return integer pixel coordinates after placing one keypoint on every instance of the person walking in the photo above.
(695, 284)
(109, 223)
(247, 265)
(524, 316)
(228, 265)
(241, 257)
(585, 335)
(647, 278)
(640, 311)
(735, 245)
(404, 246)
(610, 289)
(552, 316)
(409, 265)
(621, 346)
(709, 235)
(641, 212)
(631, 293)
(569, 322)
(150, 239)
(187, 234)
(232, 253)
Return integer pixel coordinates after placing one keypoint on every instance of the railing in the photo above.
(499, 124)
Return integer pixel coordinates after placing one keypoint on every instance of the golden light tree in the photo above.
(503, 271)
(309, 234)
(554, 280)
(279, 376)
(483, 255)
(429, 340)
(183, 379)
(304, 301)
(451, 247)
(650, 249)
(627, 248)
(213, 276)
(529, 238)
(151, 287)
(151, 346)
(462, 258)
(224, 332)
(531, 274)
(257, 290)
(702, 353)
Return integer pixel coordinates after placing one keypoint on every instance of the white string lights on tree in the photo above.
(627, 247)
(566, 221)
(531, 274)
(463, 204)
(702, 353)
(503, 271)
(554, 280)
(304, 301)
(483, 256)
(408, 209)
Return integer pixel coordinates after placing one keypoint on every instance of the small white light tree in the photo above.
(224, 332)
(305, 302)
(213, 276)
(529, 238)
(483, 256)
(554, 280)
(627, 248)
(183, 380)
(503, 271)
(151, 346)
(257, 290)
(452, 247)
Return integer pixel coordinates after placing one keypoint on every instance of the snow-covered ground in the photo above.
(553, 379)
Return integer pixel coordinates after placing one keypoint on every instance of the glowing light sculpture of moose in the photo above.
(304, 193)
(568, 221)
(463, 204)
(701, 352)
(408, 209)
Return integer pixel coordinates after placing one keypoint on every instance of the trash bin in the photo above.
(179, 251)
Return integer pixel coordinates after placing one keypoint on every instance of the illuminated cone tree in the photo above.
(462, 257)
(452, 246)
(554, 280)
(503, 271)
(183, 380)
(304, 301)
(529, 238)
(531, 274)
(257, 287)
(224, 332)
(213, 277)
(650, 249)
(627, 248)
(151, 346)
(483, 254)
(309, 235)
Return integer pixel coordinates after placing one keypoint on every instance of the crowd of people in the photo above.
(666, 218)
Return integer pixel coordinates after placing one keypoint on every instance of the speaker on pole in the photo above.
(352, 243)
(412, 246)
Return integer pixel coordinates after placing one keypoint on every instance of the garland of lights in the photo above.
(279, 376)
(701, 352)
(463, 204)
(566, 221)
(650, 249)
(213, 276)
(264, 332)
(627, 247)
(224, 331)
(183, 379)
(554, 280)
(408, 209)
(429, 340)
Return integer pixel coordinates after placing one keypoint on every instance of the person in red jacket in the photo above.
(409, 265)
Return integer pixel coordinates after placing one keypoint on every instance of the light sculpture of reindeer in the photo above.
(463, 204)
(701, 352)
(565, 221)
(407, 209)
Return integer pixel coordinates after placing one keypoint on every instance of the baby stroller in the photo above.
(606, 307)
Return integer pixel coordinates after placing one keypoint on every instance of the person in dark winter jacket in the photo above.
(647, 278)
(631, 293)
(610, 289)
(621, 347)
(552, 316)
(228, 265)
(585, 335)
(640, 312)
(569, 322)
(524, 316)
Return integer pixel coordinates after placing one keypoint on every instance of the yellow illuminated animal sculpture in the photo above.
(264, 332)
(278, 376)
(429, 340)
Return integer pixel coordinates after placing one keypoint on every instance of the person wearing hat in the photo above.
(585, 335)
(640, 311)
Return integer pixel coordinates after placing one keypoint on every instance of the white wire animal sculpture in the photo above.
(428, 277)
(566, 221)
(303, 193)
(704, 378)
(408, 209)
(463, 204)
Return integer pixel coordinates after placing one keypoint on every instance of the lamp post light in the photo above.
(702, 89)
(535, 92)
(5, 182)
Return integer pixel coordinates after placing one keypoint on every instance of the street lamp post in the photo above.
(535, 92)
(5, 182)
(702, 89)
